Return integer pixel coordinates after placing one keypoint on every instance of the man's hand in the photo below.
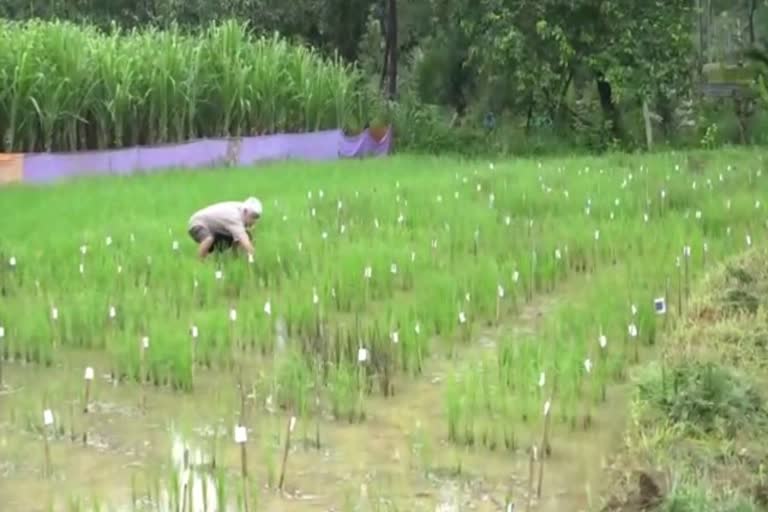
(247, 245)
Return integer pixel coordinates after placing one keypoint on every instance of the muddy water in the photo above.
(397, 459)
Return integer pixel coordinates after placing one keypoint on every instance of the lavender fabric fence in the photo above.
(322, 145)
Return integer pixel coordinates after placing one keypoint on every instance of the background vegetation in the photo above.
(535, 76)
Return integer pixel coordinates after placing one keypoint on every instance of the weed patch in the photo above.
(705, 399)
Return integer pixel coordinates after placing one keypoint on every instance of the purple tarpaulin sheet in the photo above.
(322, 145)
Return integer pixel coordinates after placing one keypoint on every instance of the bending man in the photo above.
(225, 225)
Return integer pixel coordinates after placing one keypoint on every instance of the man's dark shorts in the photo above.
(220, 242)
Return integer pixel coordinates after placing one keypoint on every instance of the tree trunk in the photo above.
(529, 115)
(559, 116)
(385, 33)
(752, 9)
(393, 53)
(609, 108)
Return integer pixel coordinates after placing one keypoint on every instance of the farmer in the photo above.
(224, 225)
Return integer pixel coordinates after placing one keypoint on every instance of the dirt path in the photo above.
(572, 474)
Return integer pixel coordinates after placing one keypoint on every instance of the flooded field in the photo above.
(415, 327)
(398, 459)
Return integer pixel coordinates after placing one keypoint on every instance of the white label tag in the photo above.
(542, 379)
(515, 276)
(241, 434)
(54, 313)
(81, 268)
(12, 261)
(175, 245)
(547, 406)
(588, 366)
(83, 249)
(145, 342)
(112, 312)
(660, 305)
(268, 308)
(108, 241)
(462, 318)
(233, 314)
(89, 373)
(362, 355)
(2, 332)
(47, 417)
(293, 423)
(500, 291)
(368, 272)
(395, 337)
(603, 341)
(194, 331)
(219, 274)
(632, 329)
(315, 298)
(417, 328)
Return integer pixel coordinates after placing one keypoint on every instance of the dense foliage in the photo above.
(501, 75)
(154, 87)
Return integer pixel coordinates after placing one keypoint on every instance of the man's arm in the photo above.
(204, 247)
(241, 237)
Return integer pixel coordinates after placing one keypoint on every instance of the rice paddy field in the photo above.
(413, 333)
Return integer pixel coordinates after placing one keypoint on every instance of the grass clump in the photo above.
(700, 414)
(705, 398)
(152, 87)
